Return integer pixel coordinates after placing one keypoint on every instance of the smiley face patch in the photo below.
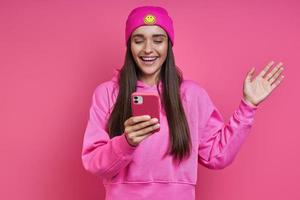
(149, 19)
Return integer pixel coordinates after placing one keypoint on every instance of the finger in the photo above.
(264, 71)
(275, 76)
(250, 74)
(138, 139)
(147, 130)
(274, 70)
(136, 119)
(277, 82)
(142, 125)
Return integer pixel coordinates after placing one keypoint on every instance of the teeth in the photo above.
(148, 58)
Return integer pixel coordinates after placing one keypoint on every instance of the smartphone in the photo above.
(146, 103)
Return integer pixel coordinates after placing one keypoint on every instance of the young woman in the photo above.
(135, 163)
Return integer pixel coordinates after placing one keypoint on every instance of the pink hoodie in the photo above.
(142, 172)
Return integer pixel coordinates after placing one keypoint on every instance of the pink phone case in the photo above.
(145, 103)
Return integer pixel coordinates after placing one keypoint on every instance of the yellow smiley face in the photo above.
(149, 19)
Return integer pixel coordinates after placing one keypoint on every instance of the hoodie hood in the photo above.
(140, 85)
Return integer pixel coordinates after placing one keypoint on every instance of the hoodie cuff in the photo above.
(248, 104)
(121, 145)
(246, 111)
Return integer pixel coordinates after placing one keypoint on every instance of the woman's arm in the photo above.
(220, 142)
(101, 155)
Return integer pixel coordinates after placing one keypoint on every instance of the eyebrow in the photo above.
(154, 35)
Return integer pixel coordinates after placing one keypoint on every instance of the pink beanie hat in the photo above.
(149, 15)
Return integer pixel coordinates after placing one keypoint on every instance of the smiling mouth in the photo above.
(148, 60)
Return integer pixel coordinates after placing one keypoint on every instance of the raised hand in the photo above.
(255, 90)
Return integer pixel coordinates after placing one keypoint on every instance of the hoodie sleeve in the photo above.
(101, 155)
(219, 142)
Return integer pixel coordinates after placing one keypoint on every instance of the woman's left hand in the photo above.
(257, 89)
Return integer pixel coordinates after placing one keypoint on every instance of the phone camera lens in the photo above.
(135, 97)
(135, 101)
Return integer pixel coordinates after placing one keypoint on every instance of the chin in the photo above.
(149, 70)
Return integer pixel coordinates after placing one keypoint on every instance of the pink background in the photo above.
(54, 53)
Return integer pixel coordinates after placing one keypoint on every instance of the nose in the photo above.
(148, 47)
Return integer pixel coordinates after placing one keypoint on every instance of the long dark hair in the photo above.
(171, 78)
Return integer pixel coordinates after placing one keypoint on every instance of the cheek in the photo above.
(163, 51)
(134, 51)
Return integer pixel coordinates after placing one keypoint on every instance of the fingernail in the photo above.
(155, 120)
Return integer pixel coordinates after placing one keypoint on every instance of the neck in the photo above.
(151, 81)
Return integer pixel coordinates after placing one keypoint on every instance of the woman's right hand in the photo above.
(137, 128)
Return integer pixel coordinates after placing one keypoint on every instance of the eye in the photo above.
(137, 42)
(158, 41)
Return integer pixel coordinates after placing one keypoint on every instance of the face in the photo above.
(149, 45)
